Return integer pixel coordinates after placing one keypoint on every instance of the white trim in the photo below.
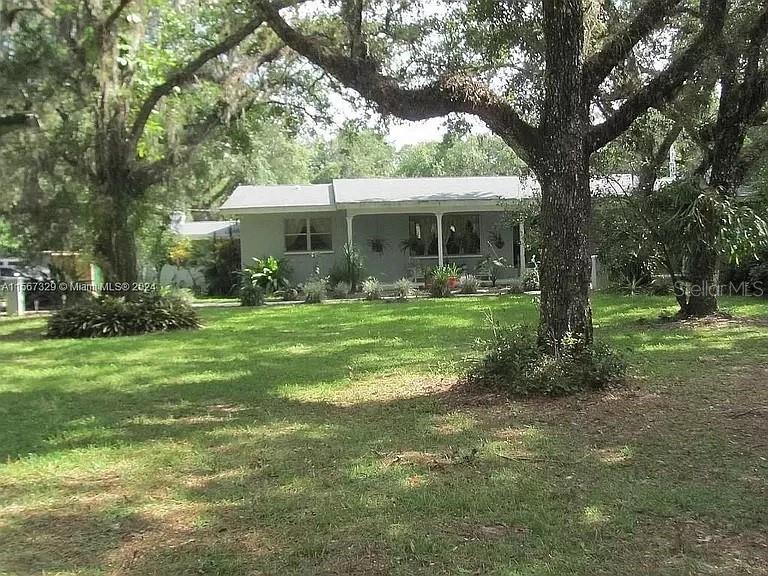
(278, 209)
(440, 240)
(309, 252)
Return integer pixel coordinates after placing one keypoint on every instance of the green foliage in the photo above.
(512, 360)
(372, 289)
(350, 269)
(492, 266)
(468, 284)
(137, 313)
(403, 288)
(315, 290)
(531, 279)
(221, 267)
(441, 277)
(269, 274)
(250, 294)
(353, 153)
(626, 249)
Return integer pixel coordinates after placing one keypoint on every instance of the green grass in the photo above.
(324, 440)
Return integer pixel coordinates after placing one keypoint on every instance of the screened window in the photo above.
(462, 234)
(422, 240)
(308, 234)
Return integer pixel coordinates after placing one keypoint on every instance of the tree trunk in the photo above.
(562, 167)
(115, 243)
(703, 277)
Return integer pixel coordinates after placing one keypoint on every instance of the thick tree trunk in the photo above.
(115, 242)
(565, 263)
(562, 167)
(703, 277)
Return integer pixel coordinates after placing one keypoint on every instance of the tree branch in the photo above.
(110, 20)
(450, 93)
(619, 46)
(661, 89)
(187, 72)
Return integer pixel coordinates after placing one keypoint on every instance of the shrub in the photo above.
(511, 360)
(341, 290)
(468, 284)
(315, 290)
(136, 313)
(221, 267)
(251, 294)
(662, 286)
(758, 278)
(270, 274)
(372, 289)
(403, 288)
(350, 269)
(516, 286)
(531, 280)
(441, 282)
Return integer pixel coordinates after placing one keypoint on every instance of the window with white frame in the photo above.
(308, 235)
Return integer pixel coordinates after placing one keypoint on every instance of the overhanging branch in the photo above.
(450, 93)
(187, 72)
(661, 89)
(619, 46)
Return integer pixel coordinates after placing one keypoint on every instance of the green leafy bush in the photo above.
(468, 284)
(403, 288)
(251, 294)
(531, 280)
(315, 290)
(136, 313)
(221, 267)
(511, 360)
(269, 274)
(372, 289)
(441, 281)
(350, 269)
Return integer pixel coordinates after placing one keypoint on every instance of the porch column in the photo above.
(522, 248)
(439, 216)
(349, 228)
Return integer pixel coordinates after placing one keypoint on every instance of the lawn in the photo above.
(328, 440)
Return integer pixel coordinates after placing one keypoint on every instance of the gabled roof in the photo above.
(354, 192)
(280, 198)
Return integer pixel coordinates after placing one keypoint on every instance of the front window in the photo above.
(308, 234)
(462, 234)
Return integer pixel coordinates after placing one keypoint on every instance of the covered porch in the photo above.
(400, 241)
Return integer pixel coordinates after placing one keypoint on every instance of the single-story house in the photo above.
(402, 226)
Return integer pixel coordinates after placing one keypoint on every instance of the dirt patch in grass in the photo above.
(716, 320)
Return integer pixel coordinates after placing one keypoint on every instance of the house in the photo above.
(403, 226)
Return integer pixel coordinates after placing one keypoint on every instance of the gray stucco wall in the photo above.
(263, 235)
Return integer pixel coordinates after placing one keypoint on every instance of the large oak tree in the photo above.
(533, 72)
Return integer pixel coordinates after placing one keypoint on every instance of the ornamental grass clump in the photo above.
(135, 313)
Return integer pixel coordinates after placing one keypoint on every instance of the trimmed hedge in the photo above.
(137, 313)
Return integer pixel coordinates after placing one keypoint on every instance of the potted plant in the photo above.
(454, 273)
